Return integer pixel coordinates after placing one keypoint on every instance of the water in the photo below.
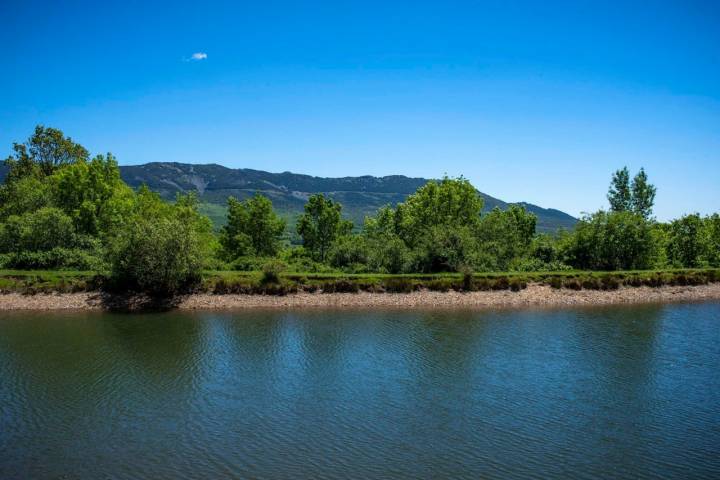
(631, 392)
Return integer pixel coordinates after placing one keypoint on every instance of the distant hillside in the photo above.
(360, 196)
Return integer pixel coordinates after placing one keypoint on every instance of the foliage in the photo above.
(687, 242)
(449, 203)
(60, 209)
(271, 271)
(349, 252)
(611, 241)
(45, 151)
(253, 228)
(504, 236)
(162, 256)
(638, 197)
(619, 193)
(92, 193)
(321, 225)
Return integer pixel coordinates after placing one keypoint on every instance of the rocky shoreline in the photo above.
(535, 295)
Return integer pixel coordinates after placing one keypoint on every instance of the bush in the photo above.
(348, 252)
(611, 241)
(271, 272)
(158, 256)
(57, 258)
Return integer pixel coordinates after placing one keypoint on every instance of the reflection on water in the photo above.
(631, 392)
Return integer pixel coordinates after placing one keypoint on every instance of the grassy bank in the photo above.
(227, 282)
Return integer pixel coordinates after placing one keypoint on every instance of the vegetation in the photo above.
(62, 210)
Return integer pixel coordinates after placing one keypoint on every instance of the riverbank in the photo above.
(535, 295)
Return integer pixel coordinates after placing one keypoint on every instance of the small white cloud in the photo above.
(196, 57)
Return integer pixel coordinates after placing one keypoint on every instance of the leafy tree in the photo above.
(637, 197)
(162, 248)
(643, 195)
(350, 252)
(27, 194)
(611, 241)
(45, 151)
(41, 230)
(620, 194)
(447, 203)
(712, 235)
(445, 249)
(253, 228)
(505, 236)
(686, 245)
(85, 191)
(321, 225)
(46, 238)
(388, 254)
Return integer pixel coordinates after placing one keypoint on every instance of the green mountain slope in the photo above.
(360, 196)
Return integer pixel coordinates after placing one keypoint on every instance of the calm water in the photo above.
(610, 393)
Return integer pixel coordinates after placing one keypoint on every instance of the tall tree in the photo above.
(253, 227)
(46, 150)
(620, 194)
(321, 225)
(643, 195)
(450, 203)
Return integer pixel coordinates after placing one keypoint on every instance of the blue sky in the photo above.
(532, 101)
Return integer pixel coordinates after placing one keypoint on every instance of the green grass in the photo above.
(45, 281)
(37, 281)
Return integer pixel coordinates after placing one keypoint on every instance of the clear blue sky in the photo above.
(532, 101)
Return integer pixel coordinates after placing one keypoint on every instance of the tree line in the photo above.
(62, 209)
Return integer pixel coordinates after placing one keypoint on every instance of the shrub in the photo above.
(159, 256)
(57, 258)
(271, 272)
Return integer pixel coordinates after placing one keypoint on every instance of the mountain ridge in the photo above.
(360, 196)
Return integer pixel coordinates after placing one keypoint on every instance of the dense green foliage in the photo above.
(637, 197)
(321, 225)
(253, 228)
(61, 209)
(161, 248)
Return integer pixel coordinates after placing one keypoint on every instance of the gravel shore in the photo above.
(533, 296)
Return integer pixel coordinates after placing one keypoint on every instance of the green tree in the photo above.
(23, 195)
(620, 194)
(41, 230)
(321, 225)
(46, 150)
(253, 228)
(505, 236)
(450, 202)
(611, 241)
(162, 248)
(350, 252)
(85, 191)
(712, 235)
(686, 242)
(643, 195)
(637, 197)
(445, 249)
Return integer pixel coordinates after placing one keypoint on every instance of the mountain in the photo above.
(360, 196)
